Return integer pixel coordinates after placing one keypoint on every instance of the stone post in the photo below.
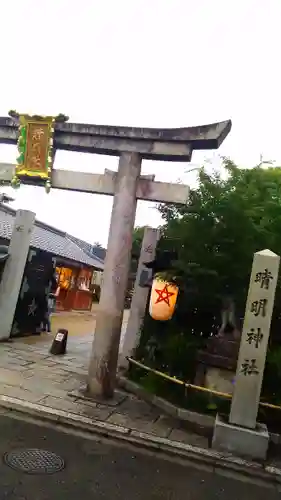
(14, 268)
(254, 339)
(243, 434)
(139, 300)
(104, 358)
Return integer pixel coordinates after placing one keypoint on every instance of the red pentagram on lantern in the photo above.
(163, 295)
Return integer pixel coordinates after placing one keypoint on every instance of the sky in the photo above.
(146, 63)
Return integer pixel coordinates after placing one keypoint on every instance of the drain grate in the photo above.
(34, 461)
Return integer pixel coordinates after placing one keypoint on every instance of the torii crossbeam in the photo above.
(147, 188)
(152, 143)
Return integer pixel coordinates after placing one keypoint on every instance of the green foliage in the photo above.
(137, 240)
(223, 224)
(136, 247)
(169, 346)
(271, 390)
(226, 220)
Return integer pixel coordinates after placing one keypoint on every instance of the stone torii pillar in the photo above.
(132, 145)
(103, 363)
(140, 296)
(10, 284)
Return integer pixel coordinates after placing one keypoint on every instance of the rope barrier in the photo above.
(192, 386)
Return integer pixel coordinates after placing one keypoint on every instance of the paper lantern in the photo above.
(163, 299)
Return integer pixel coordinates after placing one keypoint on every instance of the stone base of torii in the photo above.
(132, 145)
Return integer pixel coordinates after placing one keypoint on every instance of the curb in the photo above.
(214, 460)
(197, 420)
(202, 424)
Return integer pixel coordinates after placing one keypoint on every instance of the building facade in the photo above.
(76, 266)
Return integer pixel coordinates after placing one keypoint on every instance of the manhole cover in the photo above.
(34, 461)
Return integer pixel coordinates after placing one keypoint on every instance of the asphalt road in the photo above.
(104, 471)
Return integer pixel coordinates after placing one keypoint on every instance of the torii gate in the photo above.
(131, 144)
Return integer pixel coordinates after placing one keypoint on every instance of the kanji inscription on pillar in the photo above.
(254, 339)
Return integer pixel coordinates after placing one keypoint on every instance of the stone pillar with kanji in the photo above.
(243, 431)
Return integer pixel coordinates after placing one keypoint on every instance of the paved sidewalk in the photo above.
(30, 373)
(81, 324)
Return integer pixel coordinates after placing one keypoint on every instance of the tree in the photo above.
(137, 241)
(222, 225)
(215, 235)
(136, 248)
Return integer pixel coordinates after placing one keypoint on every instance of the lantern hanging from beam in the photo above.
(163, 299)
(35, 148)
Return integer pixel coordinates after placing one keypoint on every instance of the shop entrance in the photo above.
(76, 288)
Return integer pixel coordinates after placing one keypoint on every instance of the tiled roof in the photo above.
(49, 239)
(92, 250)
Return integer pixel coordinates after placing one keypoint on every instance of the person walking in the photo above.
(51, 305)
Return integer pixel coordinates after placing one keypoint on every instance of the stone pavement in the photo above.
(82, 324)
(30, 373)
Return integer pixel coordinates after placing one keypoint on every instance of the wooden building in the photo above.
(77, 266)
